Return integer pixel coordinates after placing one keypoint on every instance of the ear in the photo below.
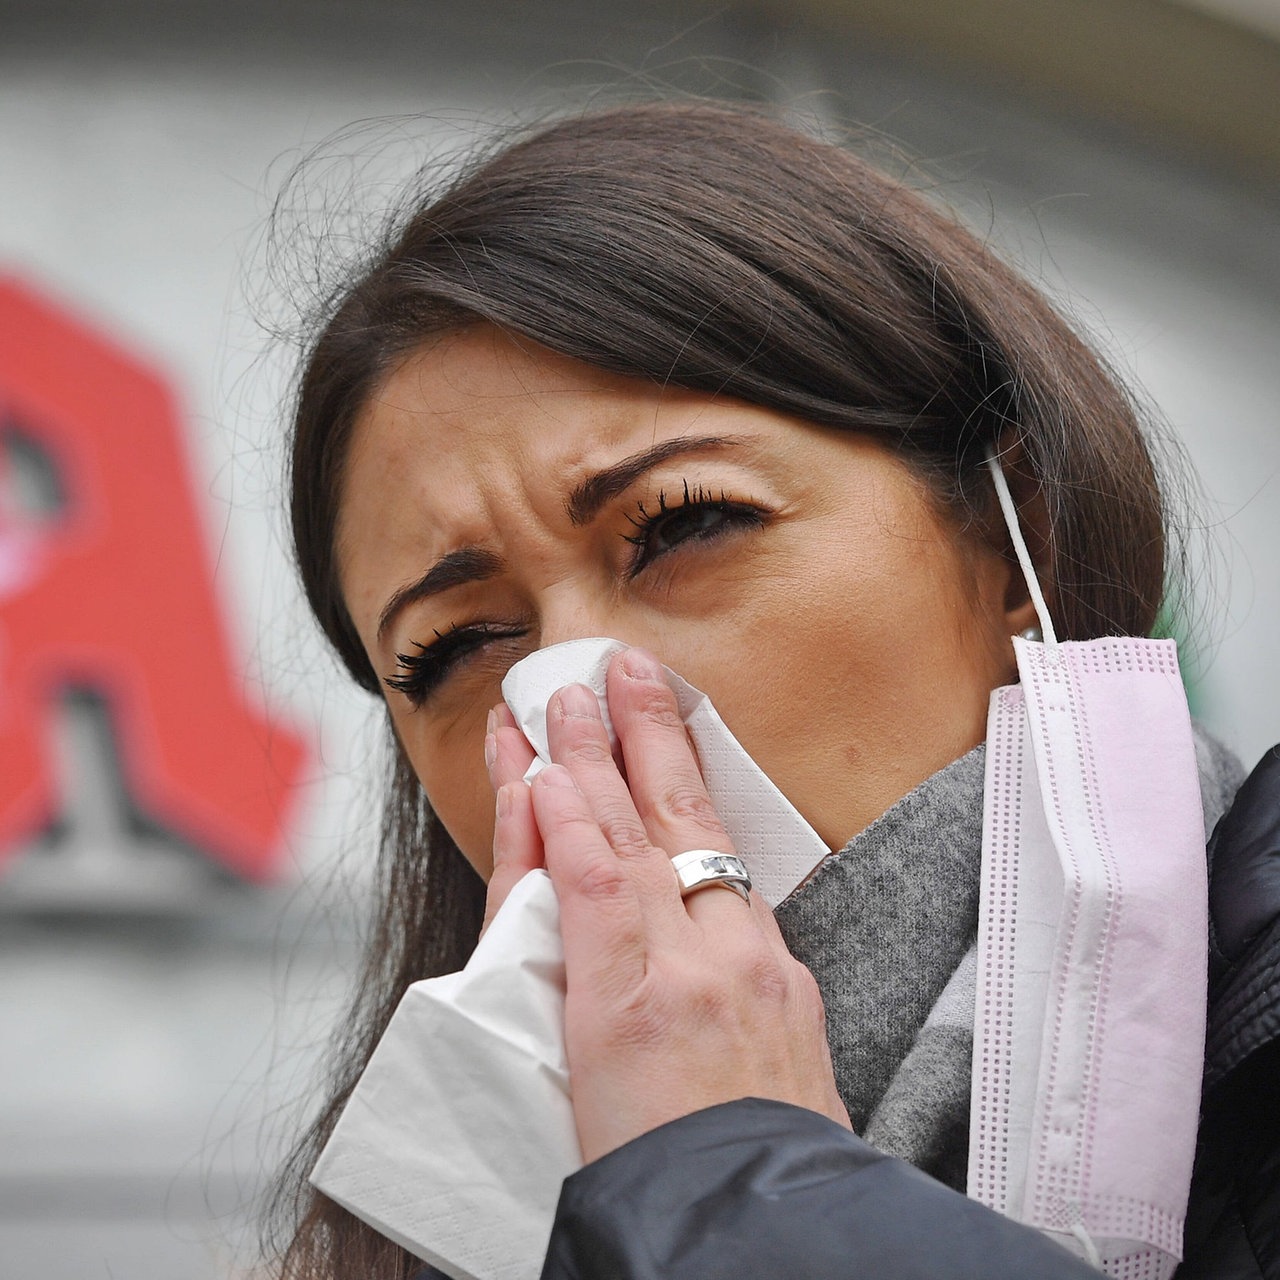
(1033, 522)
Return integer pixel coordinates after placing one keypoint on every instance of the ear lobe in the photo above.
(1019, 612)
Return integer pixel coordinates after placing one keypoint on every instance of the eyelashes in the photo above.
(697, 517)
(419, 675)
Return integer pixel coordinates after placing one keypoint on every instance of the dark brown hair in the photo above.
(718, 250)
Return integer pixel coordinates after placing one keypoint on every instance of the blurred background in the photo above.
(175, 933)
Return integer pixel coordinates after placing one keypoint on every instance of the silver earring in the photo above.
(1031, 633)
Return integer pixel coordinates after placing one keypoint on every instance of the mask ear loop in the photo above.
(1010, 512)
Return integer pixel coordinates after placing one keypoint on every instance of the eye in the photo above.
(419, 675)
(697, 517)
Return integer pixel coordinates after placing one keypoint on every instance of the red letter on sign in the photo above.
(116, 594)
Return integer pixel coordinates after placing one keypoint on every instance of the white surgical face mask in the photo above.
(1092, 947)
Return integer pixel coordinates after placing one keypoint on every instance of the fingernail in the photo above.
(640, 666)
(491, 725)
(490, 750)
(579, 701)
(504, 800)
(556, 775)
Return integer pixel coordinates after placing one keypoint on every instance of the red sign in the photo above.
(112, 590)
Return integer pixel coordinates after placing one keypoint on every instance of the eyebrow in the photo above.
(597, 489)
(467, 564)
(475, 564)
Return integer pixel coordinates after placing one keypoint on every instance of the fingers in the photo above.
(662, 772)
(517, 843)
(665, 782)
(577, 738)
(507, 751)
(601, 919)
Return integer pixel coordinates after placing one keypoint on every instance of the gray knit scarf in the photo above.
(887, 927)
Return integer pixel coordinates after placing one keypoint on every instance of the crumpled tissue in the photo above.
(458, 1135)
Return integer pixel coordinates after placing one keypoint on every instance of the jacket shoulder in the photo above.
(756, 1188)
(1233, 1220)
(1244, 923)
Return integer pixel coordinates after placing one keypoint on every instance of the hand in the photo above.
(673, 1005)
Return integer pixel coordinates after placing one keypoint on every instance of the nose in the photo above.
(575, 615)
(574, 621)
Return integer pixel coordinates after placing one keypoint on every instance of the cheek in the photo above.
(866, 676)
(450, 766)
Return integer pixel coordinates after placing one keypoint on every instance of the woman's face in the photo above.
(499, 498)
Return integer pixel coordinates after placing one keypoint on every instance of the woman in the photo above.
(685, 377)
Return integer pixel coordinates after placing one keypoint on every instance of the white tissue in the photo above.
(458, 1135)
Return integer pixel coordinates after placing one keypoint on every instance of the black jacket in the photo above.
(762, 1189)
(1233, 1222)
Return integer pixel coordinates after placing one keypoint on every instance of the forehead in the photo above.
(477, 420)
(456, 404)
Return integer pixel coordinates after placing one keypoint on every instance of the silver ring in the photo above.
(702, 868)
